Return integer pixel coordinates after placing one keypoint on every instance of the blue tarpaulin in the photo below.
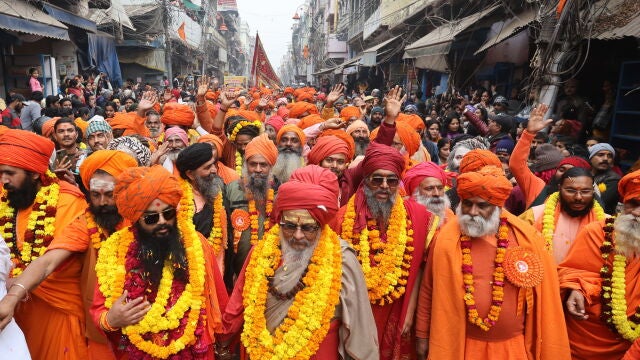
(69, 18)
(102, 55)
(9, 22)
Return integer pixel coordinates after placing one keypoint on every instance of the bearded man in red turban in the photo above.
(311, 270)
(426, 183)
(490, 289)
(389, 235)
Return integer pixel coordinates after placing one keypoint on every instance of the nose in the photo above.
(474, 210)
(384, 184)
(162, 220)
(298, 234)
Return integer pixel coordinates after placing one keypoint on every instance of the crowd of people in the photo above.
(298, 224)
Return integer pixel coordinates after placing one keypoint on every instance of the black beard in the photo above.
(564, 205)
(155, 249)
(106, 216)
(258, 185)
(24, 196)
(209, 186)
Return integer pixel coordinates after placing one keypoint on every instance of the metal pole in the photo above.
(166, 20)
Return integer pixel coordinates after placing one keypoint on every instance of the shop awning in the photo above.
(115, 13)
(616, 19)
(369, 56)
(69, 18)
(438, 42)
(22, 17)
(510, 28)
(152, 59)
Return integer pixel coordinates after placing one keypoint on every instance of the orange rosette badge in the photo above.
(522, 267)
(240, 221)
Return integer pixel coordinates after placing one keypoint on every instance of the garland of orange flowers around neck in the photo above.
(385, 264)
(187, 205)
(40, 225)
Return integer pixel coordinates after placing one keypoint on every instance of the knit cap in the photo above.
(505, 145)
(599, 147)
(547, 157)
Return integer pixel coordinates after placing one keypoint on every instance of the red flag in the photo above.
(181, 33)
(261, 71)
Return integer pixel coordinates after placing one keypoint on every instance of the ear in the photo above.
(190, 175)
(35, 176)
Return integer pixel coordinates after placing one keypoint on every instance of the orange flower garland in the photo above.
(96, 233)
(498, 279)
(254, 217)
(385, 264)
(309, 316)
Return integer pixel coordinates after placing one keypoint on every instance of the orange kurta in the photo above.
(53, 320)
(530, 184)
(441, 315)
(592, 339)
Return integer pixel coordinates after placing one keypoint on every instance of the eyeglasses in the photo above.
(574, 192)
(167, 214)
(289, 228)
(378, 180)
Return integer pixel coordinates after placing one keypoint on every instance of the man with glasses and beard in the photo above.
(490, 289)
(197, 167)
(175, 141)
(250, 202)
(389, 235)
(159, 292)
(38, 208)
(82, 239)
(425, 183)
(291, 141)
(599, 277)
(566, 211)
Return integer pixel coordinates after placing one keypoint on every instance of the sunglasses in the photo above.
(378, 180)
(307, 229)
(167, 214)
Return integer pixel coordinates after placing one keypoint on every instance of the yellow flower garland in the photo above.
(386, 281)
(626, 328)
(96, 233)
(111, 273)
(307, 322)
(240, 125)
(40, 225)
(187, 204)
(548, 218)
(238, 163)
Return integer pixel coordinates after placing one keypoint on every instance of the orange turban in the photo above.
(122, 120)
(246, 114)
(488, 183)
(47, 127)
(288, 90)
(342, 135)
(212, 96)
(213, 140)
(326, 146)
(253, 105)
(310, 120)
(305, 96)
(358, 124)
(112, 161)
(137, 187)
(297, 109)
(412, 120)
(292, 128)
(261, 145)
(25, 150)
(476, 159)
(177, 114)
(348, 112)
(213, 110)
(408, 135)
(629, 186)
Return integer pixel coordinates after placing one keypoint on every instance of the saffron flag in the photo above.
(181, 33)
(261, 71)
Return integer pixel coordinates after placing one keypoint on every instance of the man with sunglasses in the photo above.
(160, 262)
(312, 260)
(390, 235)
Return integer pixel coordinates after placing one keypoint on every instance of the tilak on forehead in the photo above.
(298, 217)
(101, 184)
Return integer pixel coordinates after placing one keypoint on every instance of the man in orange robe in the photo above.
(53, 318)
(516, 317)
(587, 271)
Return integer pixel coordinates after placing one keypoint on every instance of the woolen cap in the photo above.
(547, 157)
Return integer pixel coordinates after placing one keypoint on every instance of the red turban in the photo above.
(276, 121)
(213, 140)
(177, 114)
(25, 150)
(137, 187)
(261, 145)
(112, 161)
(476, 159)
(382, 157)
(348, 112)
(283, 112)
(310, 120)
(629, 186)
(414, 176)
(488, 183)
(292, 128)
(310, 188)
(576, 161)
(412, 120)
(342, 135)
(296, 110)
(328, 145)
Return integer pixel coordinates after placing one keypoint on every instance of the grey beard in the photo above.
(627, 235)
(286, 164)
(209, 186)
(435, 204)
(361, 145)
(477, 226)
(292, 256)
(173, 155)
(377, 208)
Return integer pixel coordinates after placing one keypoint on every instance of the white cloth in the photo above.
(13, 346)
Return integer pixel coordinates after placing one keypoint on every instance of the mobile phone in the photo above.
(61, 154)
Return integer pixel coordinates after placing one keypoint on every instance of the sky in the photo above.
(272, 20)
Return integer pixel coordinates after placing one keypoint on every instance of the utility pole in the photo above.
(166, 21)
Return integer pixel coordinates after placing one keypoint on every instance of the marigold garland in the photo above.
(385, 264)
(308, 319)
(254, 216)
(239, 163)
(497, 293)
(548, 218)
(613, 293)
(113, 267)
(40, 225)
(240, 125)
(187, 204)
(96, 233)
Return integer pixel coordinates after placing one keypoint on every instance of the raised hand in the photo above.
(167, 96)
(264, 101)
(334, 95)
(536, 119)
(394, 100)
(149, 99)
(227, 98)
(203, 86)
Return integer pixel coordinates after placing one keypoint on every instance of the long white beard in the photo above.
(436, 204)
(477, 226)
(286, 164)
(292, 256)
(627, 235)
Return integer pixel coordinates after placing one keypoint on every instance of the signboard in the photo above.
(235, 81)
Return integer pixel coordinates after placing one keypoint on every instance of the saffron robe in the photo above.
(591, 338)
